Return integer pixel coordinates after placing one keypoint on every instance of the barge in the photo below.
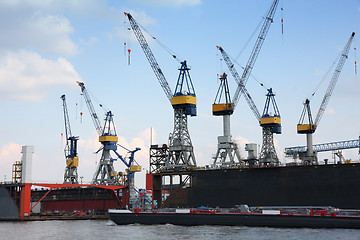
(307, 217)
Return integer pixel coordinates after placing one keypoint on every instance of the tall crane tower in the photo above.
(225, 144)
(183, 100)
(310, 127)
(270, 123)
(105, 173)
(228, 150)
(71, 154)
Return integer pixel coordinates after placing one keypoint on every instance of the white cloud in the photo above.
(241, 141)
(9, 154)
(172, 3)
(26, 76)
(31, 25)
(330, 111)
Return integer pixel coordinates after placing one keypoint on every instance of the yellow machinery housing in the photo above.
(135, 168)
(183, 100)
(73, 162)
(270, 120)
(223, 109)
(306, 128)
(108, 139)
(273, 122)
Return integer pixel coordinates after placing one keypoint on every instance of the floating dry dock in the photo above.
(42, 201)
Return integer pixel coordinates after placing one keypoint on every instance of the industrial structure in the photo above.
(335, 147)
(271, 124)
(183, 100)
(71, 153)
(227, 150)
(175, 180)
(105, 173)
(310, 157)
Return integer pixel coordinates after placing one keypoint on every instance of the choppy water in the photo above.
(106, 230)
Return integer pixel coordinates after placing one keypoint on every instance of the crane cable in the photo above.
(246, 45)
(172, 53)
(251, 37)
(94, 99)
(323, 79)
(252, 75)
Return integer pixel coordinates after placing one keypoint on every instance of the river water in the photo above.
(107, 230)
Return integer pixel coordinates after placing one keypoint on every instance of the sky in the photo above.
(47, 45)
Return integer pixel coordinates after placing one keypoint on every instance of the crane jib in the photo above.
(150, 56)
(333, 81)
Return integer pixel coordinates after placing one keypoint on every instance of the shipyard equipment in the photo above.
(183, 100)
(105, 173)
(225, 144)
(227, 149)
(335, 147)
(310, 127)
(270, 122)
(71, 155)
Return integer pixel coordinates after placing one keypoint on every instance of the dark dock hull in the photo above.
(250, 220)
(322, 185)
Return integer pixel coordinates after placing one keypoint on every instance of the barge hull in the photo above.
(250, 220)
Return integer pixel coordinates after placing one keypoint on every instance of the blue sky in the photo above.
(48, 45)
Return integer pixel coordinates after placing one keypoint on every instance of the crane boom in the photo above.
(241, 86)
(150, 56)
(66, 118)
(335, 77)
(90, 106)
(255, 52)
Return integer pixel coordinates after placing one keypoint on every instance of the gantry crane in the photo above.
(183, 100)
(225, 144)
(71, 154)
(105, 173)
(310, 127)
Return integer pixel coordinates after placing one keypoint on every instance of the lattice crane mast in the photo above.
(310, 127)
(105, 173)
(71, 154)
(183, 101)
(270, 123)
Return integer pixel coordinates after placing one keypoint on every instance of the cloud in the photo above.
(241, 141)
(26, 76)
(330, 111)
(26, 25)
(172, 3)
(9, 154)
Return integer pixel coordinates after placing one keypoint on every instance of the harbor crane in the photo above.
(227, 150)
(105, 173)
(225, 144)
(71, 154)
(310, 127)
(183, 100)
